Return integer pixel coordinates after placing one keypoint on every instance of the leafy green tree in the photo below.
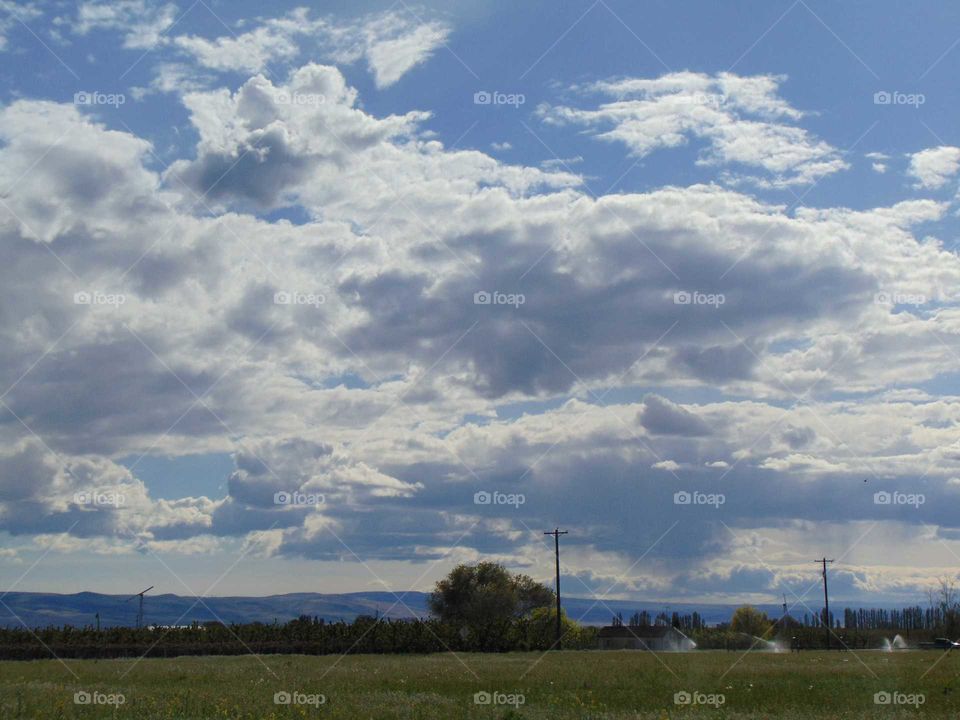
(747, 619)
(484, 600)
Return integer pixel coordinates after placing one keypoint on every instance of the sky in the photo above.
(335, 297)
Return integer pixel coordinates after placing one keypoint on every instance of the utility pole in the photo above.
(98, 622)
(557, 532)
(826, 599)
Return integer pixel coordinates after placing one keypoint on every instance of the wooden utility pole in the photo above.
(826, 599)
(557, 532)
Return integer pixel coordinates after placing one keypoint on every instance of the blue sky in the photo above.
(282, 294)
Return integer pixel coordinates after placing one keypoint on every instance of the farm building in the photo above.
(659, 638)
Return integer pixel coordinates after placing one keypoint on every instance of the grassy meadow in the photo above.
(556, 686)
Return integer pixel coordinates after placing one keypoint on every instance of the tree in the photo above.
(944, 599)
(485, 599)
(747, 619)
(541, 629)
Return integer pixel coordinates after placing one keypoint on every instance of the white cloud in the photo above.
(392, 43)
(742, 120)
(364, 397)
(933, 168)
(142, 23)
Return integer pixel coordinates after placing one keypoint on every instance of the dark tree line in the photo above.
(305, 635)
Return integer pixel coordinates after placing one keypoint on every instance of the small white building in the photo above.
(658, 638)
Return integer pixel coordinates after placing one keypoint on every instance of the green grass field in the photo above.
(557, 686)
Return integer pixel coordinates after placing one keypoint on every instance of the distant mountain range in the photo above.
(79, 609)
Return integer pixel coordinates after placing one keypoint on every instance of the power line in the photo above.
(557, 532)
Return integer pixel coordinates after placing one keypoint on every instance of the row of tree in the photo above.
(480, 608)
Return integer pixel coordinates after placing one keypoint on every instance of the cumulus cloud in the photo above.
(932, 168)
(394, 43)
(143, 24)
(391, 43)
(742, 120)
(662, 417)
(377, 352)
